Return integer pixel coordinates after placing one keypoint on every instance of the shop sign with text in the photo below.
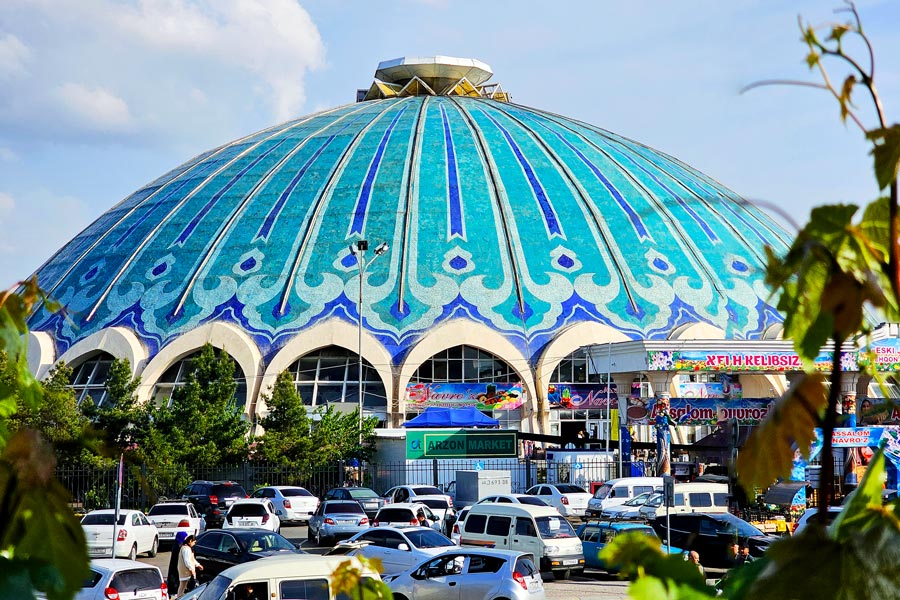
(699, 360)
(483, 396)
(460, 443)
(884, 353)
(700, 411)
(582, 395)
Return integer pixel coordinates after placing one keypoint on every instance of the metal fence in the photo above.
(142, 486)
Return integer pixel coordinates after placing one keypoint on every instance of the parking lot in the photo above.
(592, 586)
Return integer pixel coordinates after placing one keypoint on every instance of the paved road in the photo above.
(589, 587)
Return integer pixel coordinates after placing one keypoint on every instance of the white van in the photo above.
(539, 530)
(689, 498)
(619, 491)
(278, 578)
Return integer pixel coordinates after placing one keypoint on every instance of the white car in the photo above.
(398, 548)
(513, 499)
(123, 579)
(134, 534)
(258, 513)
(172, 517)
(292, 503)
(401, 514)
(627, 511)
(811, 515)
(440, 503)
(570, 500)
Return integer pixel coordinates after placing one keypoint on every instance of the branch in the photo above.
(798, 83)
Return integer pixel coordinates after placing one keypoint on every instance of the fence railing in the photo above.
(94, 487)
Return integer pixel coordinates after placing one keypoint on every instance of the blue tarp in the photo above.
(468, 416)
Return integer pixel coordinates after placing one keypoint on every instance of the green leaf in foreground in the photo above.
(886, 154)
(39, 527)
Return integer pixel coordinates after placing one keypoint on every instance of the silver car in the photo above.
(474, 573)
(337, 520)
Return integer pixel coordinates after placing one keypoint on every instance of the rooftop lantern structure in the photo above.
(433, 76)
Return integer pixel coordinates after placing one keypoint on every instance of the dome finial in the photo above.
(432, 76)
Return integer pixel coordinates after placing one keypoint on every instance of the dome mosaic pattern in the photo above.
(515, 218)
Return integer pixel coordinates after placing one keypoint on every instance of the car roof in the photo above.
(251, 501)
(481, 551)
(291, 566)
(398, 529)
(110, 565)
(533, 510)
(282, 487)
(617, 525)
(112, 511)
(410, 505)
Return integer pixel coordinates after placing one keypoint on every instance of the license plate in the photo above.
(146, 594)
(572, 561)
(246, 523)
(166, 534)
(346, 522)
(98, 552)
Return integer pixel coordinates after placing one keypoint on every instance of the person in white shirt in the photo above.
(187, 564)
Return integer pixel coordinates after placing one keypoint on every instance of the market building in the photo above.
(465, 249)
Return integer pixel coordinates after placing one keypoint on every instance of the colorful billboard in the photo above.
(885, 354)
(582, 396)
(699, 360)
(483, 396)
(701, 411)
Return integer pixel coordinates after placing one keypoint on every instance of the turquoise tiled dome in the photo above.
(511, 217)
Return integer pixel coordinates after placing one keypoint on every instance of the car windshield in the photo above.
(551, 528)
(428, 538)
(654, 501)
(228, 491)
(603, 491)
(427, 490)
(728, 523)
(216, 588)
(101, 519)
(638, 500)
(247, 510)
(531, 500)
(570, 489)
(266, 542)
(168, 509)
(363, 493)
(435, 503)
(343, 507)
(295, 492)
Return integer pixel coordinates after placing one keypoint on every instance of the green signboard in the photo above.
(460, 443)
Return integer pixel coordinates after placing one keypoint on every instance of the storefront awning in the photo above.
(783, 492)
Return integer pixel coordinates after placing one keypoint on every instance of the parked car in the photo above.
(134, 534)
(811, 515)
(628, 511)
(398, 548)
(595, 536)
(124, 580)
(336, 520)
(689, 497)
(475, 573)
(217, 550)
(712, 535)
(212, 498)
(456, 531)
(254, 513)
(399, 514)
(440, 503)
(172, 517)
(368, 498)
(616, 492)
(513, 499)
(570, 500)
(279, 578)
(293, 504)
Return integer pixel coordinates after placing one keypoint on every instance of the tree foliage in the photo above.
(839, 266)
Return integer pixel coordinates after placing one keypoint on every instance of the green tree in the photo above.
(837, 265)
(57, 418)
(287, 425)
(42, 544)
(336, 435)
(204, 426)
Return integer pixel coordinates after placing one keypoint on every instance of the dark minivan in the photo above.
(212, 498)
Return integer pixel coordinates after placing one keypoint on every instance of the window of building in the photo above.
(89, 379)
(176, 376)
(331, 375)
(468, 364)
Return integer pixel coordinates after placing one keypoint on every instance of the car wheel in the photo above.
(154, 548)
(400, 597)
(133, 554)
(561, 575)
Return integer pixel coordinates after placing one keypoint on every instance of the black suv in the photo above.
(212, 498)
(711, 535)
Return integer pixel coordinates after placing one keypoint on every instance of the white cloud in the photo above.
(7, 204)
(95, 108)
(13, 56)
(7, 155)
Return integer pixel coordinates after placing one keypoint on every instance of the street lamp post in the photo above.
(359, 251)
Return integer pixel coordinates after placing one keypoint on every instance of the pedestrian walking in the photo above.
(187, 566)
(172, 576)
(744, 557)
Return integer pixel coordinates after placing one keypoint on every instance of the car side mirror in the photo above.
(434, 517)
(403, 546)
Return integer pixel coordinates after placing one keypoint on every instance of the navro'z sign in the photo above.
(460, 443)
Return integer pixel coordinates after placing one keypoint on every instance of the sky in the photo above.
(100, 97)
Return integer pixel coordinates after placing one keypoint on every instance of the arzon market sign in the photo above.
(459, 443)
